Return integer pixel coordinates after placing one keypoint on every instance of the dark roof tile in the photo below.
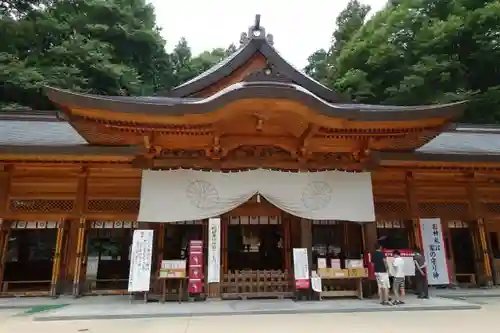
(475, 140)
(38, 133)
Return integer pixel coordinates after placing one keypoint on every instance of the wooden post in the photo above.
(306, 238)
(286, 220)
(80, 209)
(5, 228)
(370, 236)
(412, 201)
(56, 263)
(494, 271)
(160, 246)
(5, 178)
(484, 254)
(80, 243)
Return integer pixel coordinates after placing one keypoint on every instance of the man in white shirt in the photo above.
(399, 277)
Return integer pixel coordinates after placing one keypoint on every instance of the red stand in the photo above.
(195, 267)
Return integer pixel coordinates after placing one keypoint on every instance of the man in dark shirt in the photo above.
(379, 262)
(422, 285)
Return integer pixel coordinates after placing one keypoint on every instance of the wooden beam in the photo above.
(254, 163)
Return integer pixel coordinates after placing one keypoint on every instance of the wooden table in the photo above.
(344, 293)
(180, 288)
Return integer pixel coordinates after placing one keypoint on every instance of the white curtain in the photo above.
(176, 195)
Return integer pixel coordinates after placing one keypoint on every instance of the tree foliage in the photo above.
(110, 47)
(422, 52)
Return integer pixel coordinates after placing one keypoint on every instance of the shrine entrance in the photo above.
(463, 253)
(29, 259)
(172, 243)
(256, 252)
(107, 261)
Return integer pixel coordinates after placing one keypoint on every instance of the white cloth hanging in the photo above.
(176, 195)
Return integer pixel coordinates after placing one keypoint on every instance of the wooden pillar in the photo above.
(479, 233)
(80, 245)
(80, 208)
(159, 248)
(370, 236)
(56, 263)
(412, 202)
(306, 238)
(494, 271)
(5, 228)
(5, 176)
(286, 223)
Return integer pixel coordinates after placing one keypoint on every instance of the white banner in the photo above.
(434, 250)
(300, 264)
(177, 195)
(140, 261)
(214, 235)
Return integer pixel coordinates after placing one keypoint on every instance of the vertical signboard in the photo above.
(140, 261)
(301, 268)
(195, 266)
(214, 235)
(434, 251)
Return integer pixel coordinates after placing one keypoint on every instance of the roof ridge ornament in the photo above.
(256, 31)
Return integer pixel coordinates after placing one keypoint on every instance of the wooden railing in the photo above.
(26, 288)
(256, 284)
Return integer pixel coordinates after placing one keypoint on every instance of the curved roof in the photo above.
(167, 106)
(256, 43)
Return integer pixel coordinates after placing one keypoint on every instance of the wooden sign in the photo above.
(173, 269)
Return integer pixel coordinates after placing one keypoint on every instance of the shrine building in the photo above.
(281, 159)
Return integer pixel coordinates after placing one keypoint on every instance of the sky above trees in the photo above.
(299, 27)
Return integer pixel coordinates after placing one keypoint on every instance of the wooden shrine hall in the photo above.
(75, 183)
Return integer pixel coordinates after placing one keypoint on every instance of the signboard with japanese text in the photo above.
(214, 234)
(301, 268)
(434, 251)
(140, 261)
(173, 269)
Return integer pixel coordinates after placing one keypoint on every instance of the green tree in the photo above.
(427, 51)
(106, 47)
(321, 64)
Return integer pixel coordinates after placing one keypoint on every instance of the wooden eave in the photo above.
(443, 161)
(238, 96)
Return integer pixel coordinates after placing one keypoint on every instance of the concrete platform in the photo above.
(14, 303)
(466, 293)
(127, 310)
